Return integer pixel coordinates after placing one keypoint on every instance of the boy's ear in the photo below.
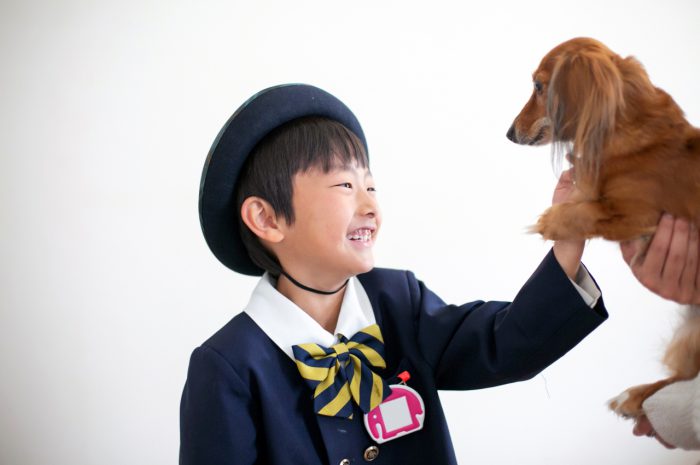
(261, 219)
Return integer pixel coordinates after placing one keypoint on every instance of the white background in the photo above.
(107, 111)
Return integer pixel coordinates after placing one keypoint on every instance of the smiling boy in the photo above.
(311, 371)
(336, 222)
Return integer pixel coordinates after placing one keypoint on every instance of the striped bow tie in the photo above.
(342, 373)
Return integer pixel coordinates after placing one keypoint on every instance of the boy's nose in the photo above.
(368, 205)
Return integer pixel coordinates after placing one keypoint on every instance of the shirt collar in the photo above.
(287, 324)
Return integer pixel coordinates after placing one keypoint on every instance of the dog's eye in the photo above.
(538, 87)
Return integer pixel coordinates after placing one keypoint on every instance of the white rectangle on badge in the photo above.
(395, 414)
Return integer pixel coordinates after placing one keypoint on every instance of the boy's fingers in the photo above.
(565, 180)
(563, 188)
(567, 176)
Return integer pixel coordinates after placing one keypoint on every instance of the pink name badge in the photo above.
(401, 413)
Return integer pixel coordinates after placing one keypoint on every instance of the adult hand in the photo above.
(642, 427)
(670, 266)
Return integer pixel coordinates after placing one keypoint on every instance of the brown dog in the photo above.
(634, 156)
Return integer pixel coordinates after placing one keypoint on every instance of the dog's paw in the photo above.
(555, 224)
(549, 228)
(626, 406)
(570, 221)
(629, 403)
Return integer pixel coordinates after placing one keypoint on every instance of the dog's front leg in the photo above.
(629, 403)
(570, 220)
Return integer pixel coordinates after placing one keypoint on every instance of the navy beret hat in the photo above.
(262, 113)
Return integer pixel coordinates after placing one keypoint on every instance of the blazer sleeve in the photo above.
(216, 414)
(482, 344)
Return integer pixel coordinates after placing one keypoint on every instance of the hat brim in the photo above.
(262, 113)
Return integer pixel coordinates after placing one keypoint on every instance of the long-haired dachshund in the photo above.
(634, 157)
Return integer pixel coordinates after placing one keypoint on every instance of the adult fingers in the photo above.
(630, 249)
(688, 286)
(648, 270)
(675, 259)
(642, 427)
(663, 442)
(696, 297)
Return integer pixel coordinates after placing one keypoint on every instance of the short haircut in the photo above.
(298, 146)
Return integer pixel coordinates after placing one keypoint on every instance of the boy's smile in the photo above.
(337, 219)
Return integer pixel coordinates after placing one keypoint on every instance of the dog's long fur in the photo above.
(634, 156)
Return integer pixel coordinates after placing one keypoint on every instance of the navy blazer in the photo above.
(244, 401)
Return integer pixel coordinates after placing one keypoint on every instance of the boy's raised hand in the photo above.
(567, 252)
(564, 187)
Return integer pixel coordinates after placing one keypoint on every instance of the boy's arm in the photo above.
(216, 421)
(482, 344)
(569, 252)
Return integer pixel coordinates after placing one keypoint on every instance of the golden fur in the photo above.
(634, 156)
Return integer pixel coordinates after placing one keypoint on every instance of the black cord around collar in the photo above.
(310, 289)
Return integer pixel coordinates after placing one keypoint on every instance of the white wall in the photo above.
(107, 112)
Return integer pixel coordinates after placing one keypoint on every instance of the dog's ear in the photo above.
(584, 96)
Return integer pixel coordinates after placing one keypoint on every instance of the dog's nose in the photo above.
(511, 133)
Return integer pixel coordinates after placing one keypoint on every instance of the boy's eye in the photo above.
(348, 185)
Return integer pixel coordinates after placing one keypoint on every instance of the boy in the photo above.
(303, 375)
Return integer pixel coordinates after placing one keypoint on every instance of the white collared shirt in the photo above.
(585, 286)
(288, 325)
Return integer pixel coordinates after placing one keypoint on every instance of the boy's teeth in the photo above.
(363, 235)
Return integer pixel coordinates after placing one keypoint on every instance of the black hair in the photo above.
(298, 146)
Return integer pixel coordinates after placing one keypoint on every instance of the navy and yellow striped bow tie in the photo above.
(342, 373)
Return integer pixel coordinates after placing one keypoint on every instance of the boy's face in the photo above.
(337, 219)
